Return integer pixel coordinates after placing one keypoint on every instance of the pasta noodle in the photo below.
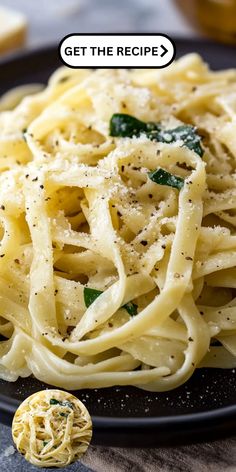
(118, 216)
(52, 428)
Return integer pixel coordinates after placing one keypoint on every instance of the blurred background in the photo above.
(47, 21)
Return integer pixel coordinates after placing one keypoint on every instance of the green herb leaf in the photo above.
(54, 401)
(90, 295)
(162, 177)
(64, 414)
(123, 125)
(45, 443)
(67, 403)
(185, 133)
(131, 308)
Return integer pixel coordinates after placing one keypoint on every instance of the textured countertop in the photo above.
(218, 456)
(49, 21)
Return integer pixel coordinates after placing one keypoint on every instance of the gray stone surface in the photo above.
(16, 462)
(219, 456)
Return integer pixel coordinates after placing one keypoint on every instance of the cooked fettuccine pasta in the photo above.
(52, 428)
(118, 216)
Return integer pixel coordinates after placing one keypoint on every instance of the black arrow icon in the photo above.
(164, 50)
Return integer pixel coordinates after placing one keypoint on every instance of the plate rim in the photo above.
(174, 430)
(10, 404)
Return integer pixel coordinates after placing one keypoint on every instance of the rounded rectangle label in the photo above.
(117, 50)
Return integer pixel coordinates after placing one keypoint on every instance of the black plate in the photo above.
(202, 409)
